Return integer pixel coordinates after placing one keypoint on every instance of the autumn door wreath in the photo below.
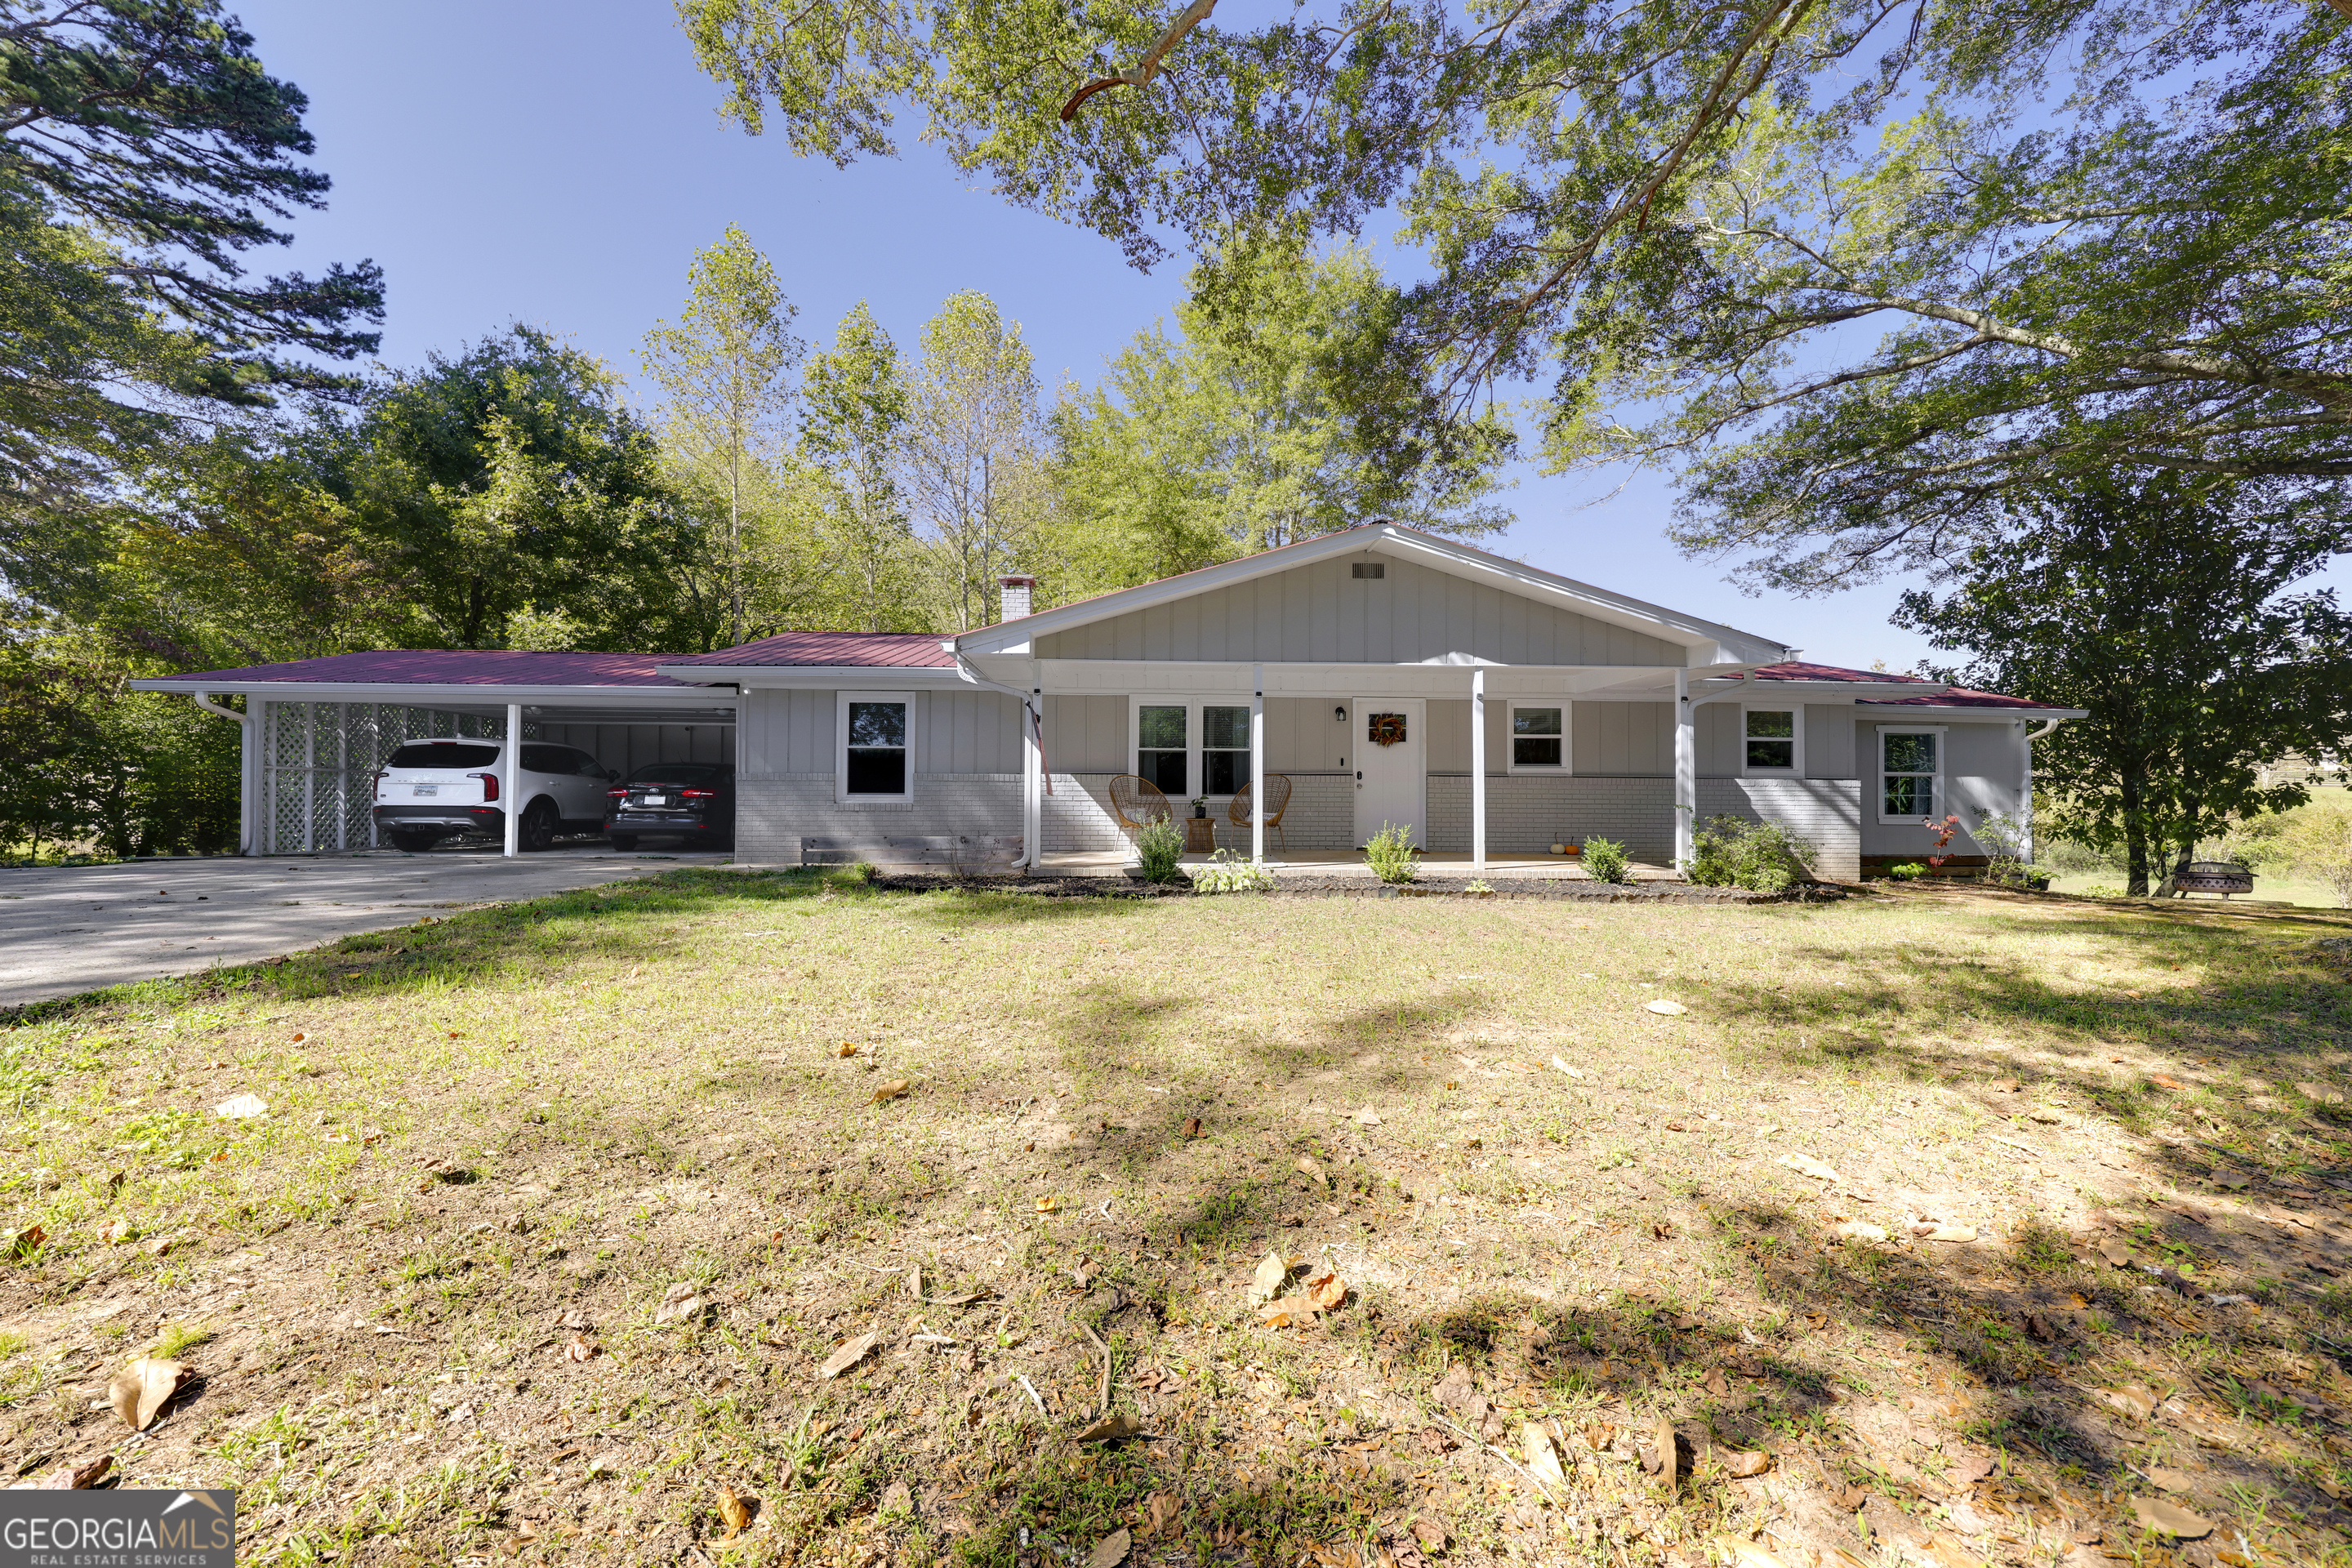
(1387, 728)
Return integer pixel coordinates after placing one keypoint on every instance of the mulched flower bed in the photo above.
(1310, 886)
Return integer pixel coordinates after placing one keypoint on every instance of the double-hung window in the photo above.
(1540, 738)
(1769, 742)
(1224, 748)
(877, 762)
(1910, 775)
(1188, 746)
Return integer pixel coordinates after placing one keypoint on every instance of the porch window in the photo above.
(1225, 750)
(1769, 741)
(1910, 775)
(1539, 738)
(876, 763)
(1161, 747)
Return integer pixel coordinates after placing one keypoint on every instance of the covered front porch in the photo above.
(1350, 863)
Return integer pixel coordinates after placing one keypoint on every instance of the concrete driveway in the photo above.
(70, 928)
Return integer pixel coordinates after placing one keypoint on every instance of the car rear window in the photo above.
(443, 755)
(677, 774)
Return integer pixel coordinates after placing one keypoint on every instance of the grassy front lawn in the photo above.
(425, 1290)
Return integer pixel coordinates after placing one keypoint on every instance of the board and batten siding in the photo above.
(790, 733)
(1320, 614)
(1984, 775)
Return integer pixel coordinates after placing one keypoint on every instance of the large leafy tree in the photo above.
(144, 153)
(2164, 609)
(854, 411)
(512, 478)
(971, 457)
(1860, 267)
(1242, 430)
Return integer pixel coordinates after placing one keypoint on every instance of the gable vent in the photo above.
(1373, 569)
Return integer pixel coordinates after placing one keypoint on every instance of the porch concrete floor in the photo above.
(1350, 863)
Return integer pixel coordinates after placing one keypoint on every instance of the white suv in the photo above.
(427, 790)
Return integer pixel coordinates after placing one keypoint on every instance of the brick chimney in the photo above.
(1018, 592)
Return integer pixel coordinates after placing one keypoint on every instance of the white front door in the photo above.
(1390, 758)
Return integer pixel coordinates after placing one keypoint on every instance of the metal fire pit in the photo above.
(2215, 876)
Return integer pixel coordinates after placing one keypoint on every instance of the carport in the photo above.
(317, 730)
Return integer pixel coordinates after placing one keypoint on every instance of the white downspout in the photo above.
(2025, 785)
(244, 768)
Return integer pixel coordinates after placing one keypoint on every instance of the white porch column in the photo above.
(1257, 764)
(251, 777)
(1033, 779)
(1686, 774)
(1478, 773)
(510, 756)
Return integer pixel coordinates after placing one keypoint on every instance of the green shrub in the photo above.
(1606, 860)
(1159, 846)
(1908, 871)
(1763, 856)
(1391, 854)
(1228, 873)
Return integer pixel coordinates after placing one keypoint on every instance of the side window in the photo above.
(589, 767)
(1769, 742)
(1539, 737)
(1163, 747)
(876, 765)
(1910, 775)
(544, 758)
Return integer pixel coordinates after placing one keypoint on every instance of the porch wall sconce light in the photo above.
(1340, 713)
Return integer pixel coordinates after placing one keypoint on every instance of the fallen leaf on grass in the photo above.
(2321, 1092)
(72, 1477)
(1112, 1427)
(1327, 1289)
(1806, 1165)
(1563, 1067)
(2163, 1080)
(2114, 1252)
(2133, 1400)
(2170, 1480)
(846, 1048)
(1313, 1172)
(1159, 1511)
(1669, 1461)
(891, 1091)
(1367, 1117)
(2169, 1518)
(1289, 1309)
(241, 1106)
(1266, 1283)
(1942, 1230)
(1744, 1465)
(733, 1511)
(158, 1246)
(140, 1391)
(577, 1348)
(848, 1355)
(1671, 1009)
(1945, 1552)
(1111, 1551)
(1746, 1553)
(680, 1302)
(23, 1244)
(1191, 1127)
(1543, 1459)
(571, 1318)
(1860, 1230)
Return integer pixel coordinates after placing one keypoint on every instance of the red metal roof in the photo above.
(457, 667)
(887, 650)
(1958, 697)
(1799, 670)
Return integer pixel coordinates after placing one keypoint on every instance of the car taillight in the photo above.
(616, 795)
(696, 793)
(489, 785)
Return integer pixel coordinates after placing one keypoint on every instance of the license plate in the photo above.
(426, 789)
(655, 800)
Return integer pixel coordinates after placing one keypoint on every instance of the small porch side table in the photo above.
(1199, 835)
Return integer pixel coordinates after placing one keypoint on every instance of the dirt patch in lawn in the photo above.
(766, 1218)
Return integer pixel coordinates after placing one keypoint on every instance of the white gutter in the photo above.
(204, 701)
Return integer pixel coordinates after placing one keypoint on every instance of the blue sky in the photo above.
(559, 163)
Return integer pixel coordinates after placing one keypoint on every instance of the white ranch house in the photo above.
(1386, 674)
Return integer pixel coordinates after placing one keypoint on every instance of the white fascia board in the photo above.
(1708, 642)
(818, 676)
(1120, 678)
(418, 691)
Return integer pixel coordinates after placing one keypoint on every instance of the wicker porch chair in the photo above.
(1137, 802)
(1277, 801)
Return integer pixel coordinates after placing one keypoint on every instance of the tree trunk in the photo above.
(2136, 844)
